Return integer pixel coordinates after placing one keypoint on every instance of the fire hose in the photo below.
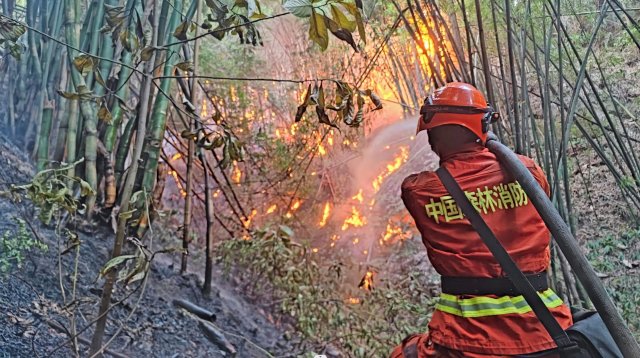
(569, 246)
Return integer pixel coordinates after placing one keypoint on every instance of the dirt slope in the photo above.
(31, 296)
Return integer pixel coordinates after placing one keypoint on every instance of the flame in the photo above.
(272, 208)
(356, 241)
(330, 141)
(203, 112)
(246, 222)
(325, 214)
(174, 174)
(321, 150)
(236, 176)
(367, 281)
(176, 156)
(216, 193)
(296, 205)
(391, 168)
(356, 219)
(358, 197)
(353, 300)
(315, 250)
(391, 233)
(334, 238)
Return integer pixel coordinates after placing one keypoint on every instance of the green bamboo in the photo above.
(46, 115)
(123, 148)
(95, 42)
(43, 139)
(158, 118)
(72, 132)
(72, 16)
(122, 92)
(127, 190)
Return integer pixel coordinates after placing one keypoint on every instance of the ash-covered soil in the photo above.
(31, 299)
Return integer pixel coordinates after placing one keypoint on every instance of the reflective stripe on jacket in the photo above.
(483, 324)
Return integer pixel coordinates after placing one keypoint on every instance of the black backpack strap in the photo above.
(519, 280)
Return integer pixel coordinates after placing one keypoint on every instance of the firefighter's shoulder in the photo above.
(528, 162)
(423, 180)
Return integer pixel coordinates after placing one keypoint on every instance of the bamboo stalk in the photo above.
(514, 85)
(96, 341)
(187, 218)
(157, 121)
(72, 14)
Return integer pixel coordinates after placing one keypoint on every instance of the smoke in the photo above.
(392, 153)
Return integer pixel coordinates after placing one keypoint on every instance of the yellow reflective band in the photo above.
(487, 306)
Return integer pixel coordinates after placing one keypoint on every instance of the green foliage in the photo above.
(618, 259)
(315, 292)
(51, 190)
(10, 32)
(340, 17)
(14, 246)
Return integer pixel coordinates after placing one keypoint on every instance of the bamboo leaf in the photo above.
(356, 12)
(104, 114)
(299, 8)
(341, 33)
(342, 20)
(349, 112)
(115, 262)
(375, 99)
(185, 66)
(69, 95)
(129, 41)
(181, 31)
(84, 63)
(85, 188)
(318, 30)
(11, 30)
(302, 108)
(98, 77)
(147, 52)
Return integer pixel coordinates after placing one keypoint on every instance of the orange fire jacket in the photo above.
(469, 323)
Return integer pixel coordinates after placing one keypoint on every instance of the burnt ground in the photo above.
(31, 296)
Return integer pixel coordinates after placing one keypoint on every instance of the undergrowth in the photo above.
(617, 258)
(317, 295)
(14, 245)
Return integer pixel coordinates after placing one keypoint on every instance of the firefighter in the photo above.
(497, 322)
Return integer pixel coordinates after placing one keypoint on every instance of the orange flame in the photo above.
(367, 281)
(391, 232)
(325, 214)
(321, 150)
(272, 208)
(174, 174)
(356, 219)
(353, 300)
(176, 156)
(236, 176)
(246, 222)
(358, 197)
(334, 238)
(203, 112)
(391, 168)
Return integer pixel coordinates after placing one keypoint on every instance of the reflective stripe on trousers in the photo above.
(488, 306)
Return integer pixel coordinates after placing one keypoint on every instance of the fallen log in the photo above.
(217, 338)
(195, 309)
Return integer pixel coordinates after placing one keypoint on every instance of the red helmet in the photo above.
(460, 104)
